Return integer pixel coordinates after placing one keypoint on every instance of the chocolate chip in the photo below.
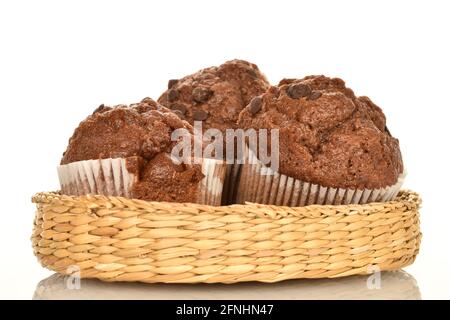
(297, 91)
(252, 73)
(178, 107)
(387, 130)
(179, 167)
(173, 95)
(200, 115)
(171, 83)
(255, 105)
(99, 108)
(315, 95)
(179, 114)
(201, 94)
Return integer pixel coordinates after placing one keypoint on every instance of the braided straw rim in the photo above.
(121, 239)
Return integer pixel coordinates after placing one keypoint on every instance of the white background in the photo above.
(60, 59)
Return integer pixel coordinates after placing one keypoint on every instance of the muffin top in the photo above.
(328, 136)
(215, 95)
(141, 129)
(140, 133)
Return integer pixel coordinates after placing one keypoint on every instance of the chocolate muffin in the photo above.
(215, 95)
(330, 139)
(126, 151)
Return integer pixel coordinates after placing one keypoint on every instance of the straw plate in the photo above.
(120, 239)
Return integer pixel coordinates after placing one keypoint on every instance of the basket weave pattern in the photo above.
(120, 239)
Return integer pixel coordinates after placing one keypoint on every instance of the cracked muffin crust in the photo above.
(215, 95)
(328, 136)
(141, 134)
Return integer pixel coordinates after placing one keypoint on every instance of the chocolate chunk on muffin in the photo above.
(329, 138)
(126, 151)
(215, 95)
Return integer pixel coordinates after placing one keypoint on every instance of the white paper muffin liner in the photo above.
(260, 184)
(105, 177)
(110, 177)
(213, 182)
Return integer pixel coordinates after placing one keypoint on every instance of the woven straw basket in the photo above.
(120, 239)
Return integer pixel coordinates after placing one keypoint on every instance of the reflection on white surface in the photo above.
(389, 285)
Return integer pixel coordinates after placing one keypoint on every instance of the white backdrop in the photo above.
(60, 59)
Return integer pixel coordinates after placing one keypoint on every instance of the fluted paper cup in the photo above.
(213, 182)
(111, 177)
(260, 184)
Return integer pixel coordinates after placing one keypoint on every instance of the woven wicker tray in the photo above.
(120, 239)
